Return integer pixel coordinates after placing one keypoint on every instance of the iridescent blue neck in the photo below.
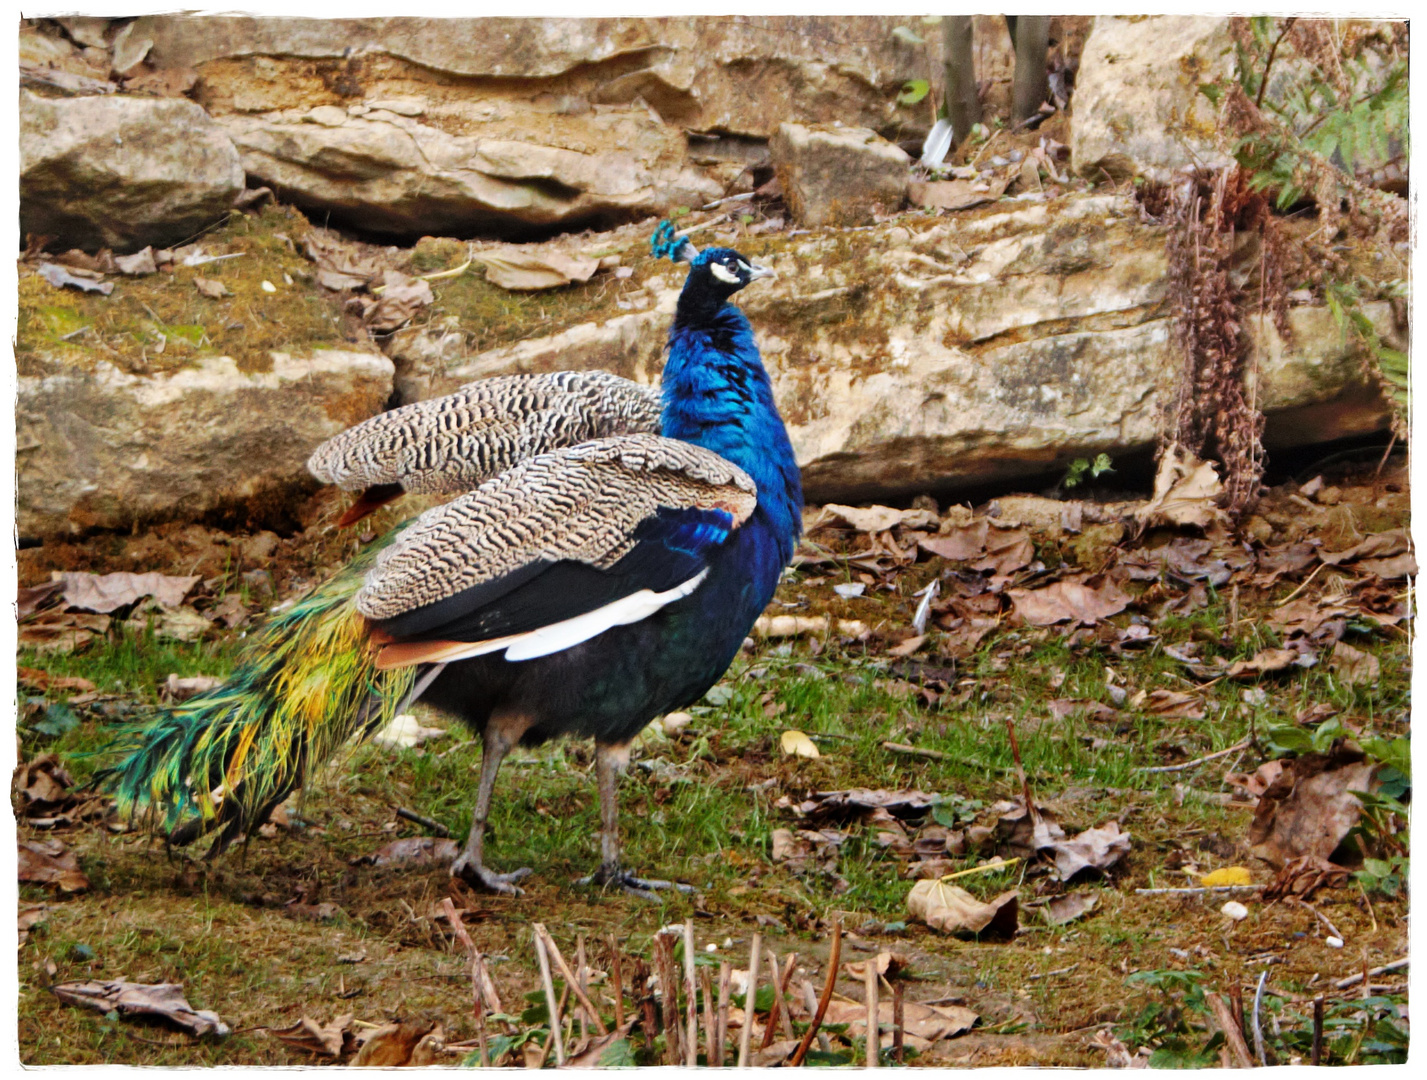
(717, 395)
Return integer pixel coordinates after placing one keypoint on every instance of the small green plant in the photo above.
(1384, 876)
(1075, 475)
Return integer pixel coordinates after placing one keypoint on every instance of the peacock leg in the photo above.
(470, 865)
(610, 761)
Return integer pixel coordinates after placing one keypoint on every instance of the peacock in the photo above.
(605, 551)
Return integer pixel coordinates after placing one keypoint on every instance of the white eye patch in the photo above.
(723, 273)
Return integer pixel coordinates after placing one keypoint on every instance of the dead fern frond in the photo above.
(1214, 416)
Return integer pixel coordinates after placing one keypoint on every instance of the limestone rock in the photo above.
(388, 173)
(102, 449)
(998, 345)
(1138, 109)
(838, 175)
(122, 172)
(740, 75)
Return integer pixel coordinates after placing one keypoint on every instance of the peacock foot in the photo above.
(613, 874)
(479, 877)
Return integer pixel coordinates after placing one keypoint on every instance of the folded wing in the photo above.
(450, 444)
(555, 550)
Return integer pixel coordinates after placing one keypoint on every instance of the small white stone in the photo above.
(1235, 910)
(675, 722)
(710, 947)
(1333, 942)
(268, 286)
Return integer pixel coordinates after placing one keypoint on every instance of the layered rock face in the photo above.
(993, 346)
(122, 172)
(104, 449)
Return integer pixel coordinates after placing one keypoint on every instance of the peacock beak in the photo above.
(756, 272)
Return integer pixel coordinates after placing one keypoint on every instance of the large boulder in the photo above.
(99, 448)
(996, 346)
(838, 175)
(122, 172)
(390, 172)
(1138, 107)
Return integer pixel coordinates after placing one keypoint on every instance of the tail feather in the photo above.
(306, 685)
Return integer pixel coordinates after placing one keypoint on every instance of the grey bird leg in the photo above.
(469, 866)
(610, 761)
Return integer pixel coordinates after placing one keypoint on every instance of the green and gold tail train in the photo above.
(304, 686)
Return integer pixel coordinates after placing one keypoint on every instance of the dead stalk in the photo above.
(833, 960)
(691, 1011)
(550, 1002)
(783, 1015)
(1233, 1034)
(571, 981)
(1317, 1058)
(580, 980)
(870, 991)
(725, 977)
(750, 1002)
(669, 990)
(771, 1027)
(899, 1050)
(616, 977)
(710, 1024)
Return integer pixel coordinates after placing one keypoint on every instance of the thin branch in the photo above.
(570, 980)
(1199, 760)
(555, 1036)
(750, 1002)
(802, 1051)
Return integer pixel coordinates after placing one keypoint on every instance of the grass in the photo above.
(701, 807)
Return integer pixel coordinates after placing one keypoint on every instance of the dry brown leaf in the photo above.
(1263, 662)
(325, 1040)
(395, 1044)
(176, 689)
(1095, 849)
(923, 1024)
(1063, 708)
(886, 962)
(1310, 808)
(164, 1000)
(401, 300)
(1258, 781)
(855, 803)
(103, 593)
(30, 600)
(336, 281)
(1353, 666)
(1173, 704)
(1186, 492)
(952, 910)
(49, 862)
(1068, 908)
(1304, 876)
(589, 1057)
(410, 851)
(1007, 550)
(532, 269)
(876, 519)
(960, 543)
(56, 631)
(41, 785)
(43, 680)
(1023, 832)
(29, 917)
(1073, 601)
(214, 290)
(906, 648)
(1377, 546)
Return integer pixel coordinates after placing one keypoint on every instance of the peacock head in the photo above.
(717, 271)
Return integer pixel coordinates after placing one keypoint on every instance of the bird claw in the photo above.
(478, 877)
(644, 888)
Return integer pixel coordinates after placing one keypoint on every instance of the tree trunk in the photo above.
(963, 105)
(1031, 35)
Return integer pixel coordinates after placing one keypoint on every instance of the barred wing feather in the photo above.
(555, 551)
(450, 444)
